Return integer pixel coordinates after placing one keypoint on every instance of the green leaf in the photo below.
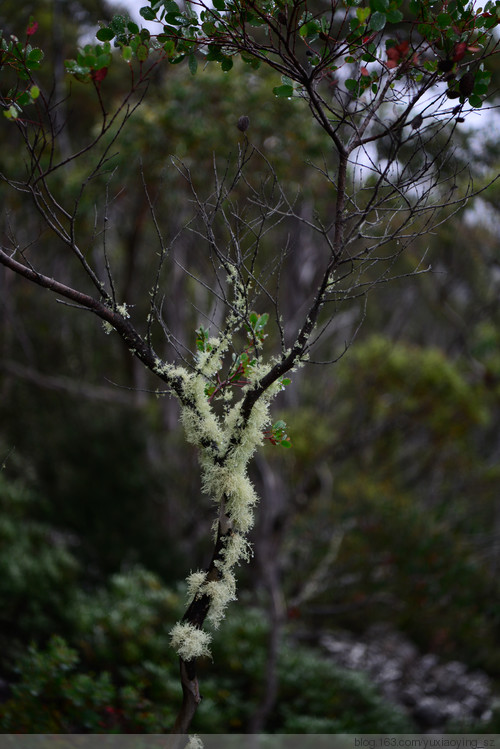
(262, 321)
(118, 24)
(81, 72)
(142, 52)
(379, 5)
(193, 64)
(480, 89)
(377, 21)
(11, 113)
(36, 55)
(175, 19)
(310, 29)
(147, 13)
(105, 35)
(475, 101)
(444, 20)
(219, 4)
(169, 48)
(226, 64)
(132, 27)
(23, 99)
(394, 16)
(284, 91)
(127, 53)
(171, 7)
(490, 22)
(362, 14)
(214, 54)
(285, 443)
(34, 92)
(208, 28)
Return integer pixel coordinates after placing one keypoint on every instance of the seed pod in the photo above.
(466, 83)
(417, 121)
(243, 123)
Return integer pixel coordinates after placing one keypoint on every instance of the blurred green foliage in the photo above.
(94, 482)
(413, 493)
(38, 573)
(119, 674)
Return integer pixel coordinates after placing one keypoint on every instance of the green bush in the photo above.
(119, 674)
(403, 442)
(96, 479)
(318, 697)
(52, 697)
(38, 573)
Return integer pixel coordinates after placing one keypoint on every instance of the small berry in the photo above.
(243, 123)
(466, 84)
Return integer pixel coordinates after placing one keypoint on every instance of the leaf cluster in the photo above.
(351, 33)
(20, 59)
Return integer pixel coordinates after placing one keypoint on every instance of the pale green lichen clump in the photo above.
(226, 443)
(226, 484)
(189, 641)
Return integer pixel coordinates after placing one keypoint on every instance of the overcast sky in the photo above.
(133, 8)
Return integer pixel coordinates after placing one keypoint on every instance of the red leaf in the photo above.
(99, 75)
(460, 50)
(393, 54)
(364, 71)
(32, 28)
(403, 47)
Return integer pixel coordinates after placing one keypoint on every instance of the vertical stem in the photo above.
(191, 699)
(196, 614)
(338, 239)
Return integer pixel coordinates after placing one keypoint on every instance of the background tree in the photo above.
(352, 248)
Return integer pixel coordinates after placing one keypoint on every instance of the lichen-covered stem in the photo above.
(195, 615)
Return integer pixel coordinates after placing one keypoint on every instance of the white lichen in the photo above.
(226, 442)
(236, 548)
(189, 641)
(221, 593)
(123, 310)
(194, 584)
